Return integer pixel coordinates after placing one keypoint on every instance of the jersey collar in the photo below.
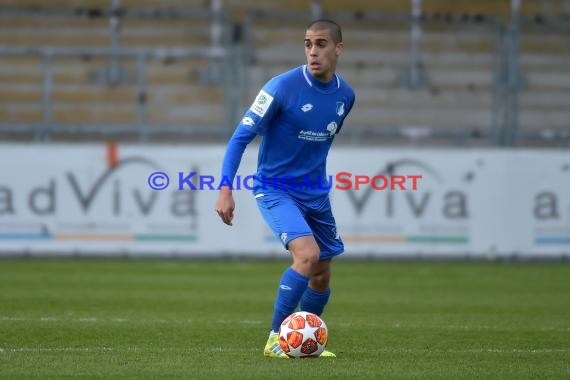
(332, 85)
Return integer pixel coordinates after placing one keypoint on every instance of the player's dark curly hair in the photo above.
(330, 25)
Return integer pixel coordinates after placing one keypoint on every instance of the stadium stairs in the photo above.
(456, 53)
(180, 92)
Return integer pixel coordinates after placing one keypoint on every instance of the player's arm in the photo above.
(225, 204)
(255, 121)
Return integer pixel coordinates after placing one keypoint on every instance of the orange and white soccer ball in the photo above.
(303, 334)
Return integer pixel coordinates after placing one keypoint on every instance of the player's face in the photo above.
(322, 54)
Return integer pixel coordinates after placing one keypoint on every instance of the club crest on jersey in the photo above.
(332, 127)
(340, 108)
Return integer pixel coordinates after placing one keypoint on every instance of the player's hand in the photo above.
(225, 205)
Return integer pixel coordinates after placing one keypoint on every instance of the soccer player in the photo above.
(297, 113)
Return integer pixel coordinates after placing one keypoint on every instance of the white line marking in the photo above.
(121, 320)
(109, 349)
(56, 349)
(250, 322)
(15, 319)
(449, 327)
(47, 319)
(479, 350)
(234, 349)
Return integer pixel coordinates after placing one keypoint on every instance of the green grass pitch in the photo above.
(119, 319)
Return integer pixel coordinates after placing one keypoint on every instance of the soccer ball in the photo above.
(303, 334)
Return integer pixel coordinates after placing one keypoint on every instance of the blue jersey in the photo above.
(298, 117)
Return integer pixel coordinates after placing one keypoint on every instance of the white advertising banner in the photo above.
(99, 200)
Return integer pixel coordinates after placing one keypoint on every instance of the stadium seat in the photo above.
(457, 53)
(179, 92)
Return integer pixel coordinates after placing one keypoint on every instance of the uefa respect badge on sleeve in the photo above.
(261, 103)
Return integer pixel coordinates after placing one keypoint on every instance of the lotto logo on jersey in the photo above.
(261, 103)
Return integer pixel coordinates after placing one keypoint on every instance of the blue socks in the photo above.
(314, 301)
(291, 288)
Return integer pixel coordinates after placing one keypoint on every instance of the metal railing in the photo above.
(523, 78)
(140, 127)
(221, 56)
(233, 58)
(413, 74)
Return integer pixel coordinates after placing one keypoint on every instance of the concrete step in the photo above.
(115, 114)
(67, 70)
(167, 95)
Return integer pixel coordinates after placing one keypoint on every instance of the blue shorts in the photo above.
(290, 218)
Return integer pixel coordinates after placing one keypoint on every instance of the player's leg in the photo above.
(295, 279)
(306, 253)
(321, 220)
(285, 218)
(318, 292)
(292, 287)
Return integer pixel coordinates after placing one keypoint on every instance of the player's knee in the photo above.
(305, 261)
(321, 281)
